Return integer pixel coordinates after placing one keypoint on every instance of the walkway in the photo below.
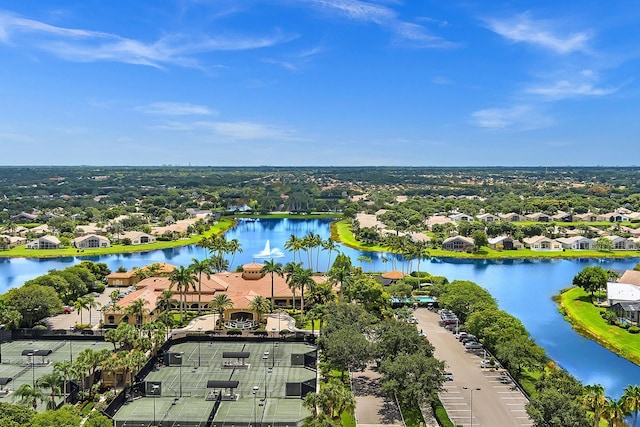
(373, 409)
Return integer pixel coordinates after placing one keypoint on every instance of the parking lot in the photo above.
(482, 396)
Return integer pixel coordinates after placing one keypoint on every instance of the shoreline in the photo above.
(581, 328)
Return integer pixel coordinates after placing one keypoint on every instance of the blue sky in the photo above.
(319, 82)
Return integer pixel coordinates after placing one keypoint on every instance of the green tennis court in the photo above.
(265, 372)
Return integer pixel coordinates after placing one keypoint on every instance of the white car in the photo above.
(472, 345)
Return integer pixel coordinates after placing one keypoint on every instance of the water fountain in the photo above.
(267, 252)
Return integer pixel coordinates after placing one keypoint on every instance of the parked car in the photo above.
(469, 338)
(473, 345)
(461, 335)
(67, 309)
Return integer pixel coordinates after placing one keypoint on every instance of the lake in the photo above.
(522, 287)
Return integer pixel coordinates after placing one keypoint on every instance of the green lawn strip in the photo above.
(21, 251)
(412, 416)
(309, 326)
(348, 419)
(441, 414)
(586, 320)
(341, 231)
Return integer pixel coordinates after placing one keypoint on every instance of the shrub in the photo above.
(40, 328)
(234, 332)
(625, 325)
(633, 330)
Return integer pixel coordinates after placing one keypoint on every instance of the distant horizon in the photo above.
(331, 166)
(294, 82)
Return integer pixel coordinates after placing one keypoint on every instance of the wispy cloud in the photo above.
(91, 46)
(518, 117)
(175, 109)
(543, 33)
(585, 84)
(234, 130)
(413, 34)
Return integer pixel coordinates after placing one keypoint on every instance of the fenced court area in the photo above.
(270, 380)
(23, 368)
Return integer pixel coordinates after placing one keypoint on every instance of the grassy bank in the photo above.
(20, 251)
(585, 318)
(341, 231)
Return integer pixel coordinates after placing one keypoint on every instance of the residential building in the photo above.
(458, 244)
(505, 242)
(91, 241)
(577, 243)
(44, 242)
(542, 244)
(138, 237)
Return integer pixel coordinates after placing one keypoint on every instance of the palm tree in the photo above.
(301, 278)
(51, 381)
(183, 278)
(420, 251)
(272, 267)
(165, 299)
(330, 246)
(64, 368)
(28, 395)
(91, 303)
(80, 304)
(220, 303)
(594, 401)
(113, 296)
(260, 305)
(138, 308)
(614, 412)
(294, 244)
(200, 268)
(233, 247)
(289, 269)
(631, 400)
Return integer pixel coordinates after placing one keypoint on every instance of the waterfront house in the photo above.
(562, 217)
(621, 243)
(91, 241)
(577, 242)
(586, 217)
(44, 242)
(542, 244)
(138, 237)
(504, 242)
(458, 244)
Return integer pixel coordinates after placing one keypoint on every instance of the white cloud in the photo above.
(522, 29)
(91, 46)
(567, 89)
(175, 109)
(413, 34)
(581, 84)
(234, 130)
(518, 117)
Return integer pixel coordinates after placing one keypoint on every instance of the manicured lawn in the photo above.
(341, 231)
(585, 318)
(20, 251)
(412, 416)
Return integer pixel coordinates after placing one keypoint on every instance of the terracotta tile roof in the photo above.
(393, 275)
(631, 277)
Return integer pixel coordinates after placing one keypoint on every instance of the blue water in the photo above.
(522, 287)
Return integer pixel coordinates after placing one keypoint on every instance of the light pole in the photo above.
(255, 410)
(1, 329)
(154, 391)
(199, 330)
(471, 390)
(273, 347)
(33, 369)
(70, 348)
(179, 356)
(265, 360)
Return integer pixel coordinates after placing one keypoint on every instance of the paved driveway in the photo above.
(497, 403)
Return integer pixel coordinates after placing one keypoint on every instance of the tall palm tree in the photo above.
(271, 267)
(288, 269)
(631, 400)
(233, 247)
(260, 305)
(165, 299)
(199, 268)
(615, 412)
(301, 278)
(28, 395)
(91, 303)
(182, 278)
(221, 303)
(53, 382)
(420, 251)
(80, 304)
(595, 402)
(330, 246)
(138, 308)
(64, 369)
(293, 244)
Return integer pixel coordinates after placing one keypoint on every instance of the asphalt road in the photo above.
(496, 403)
